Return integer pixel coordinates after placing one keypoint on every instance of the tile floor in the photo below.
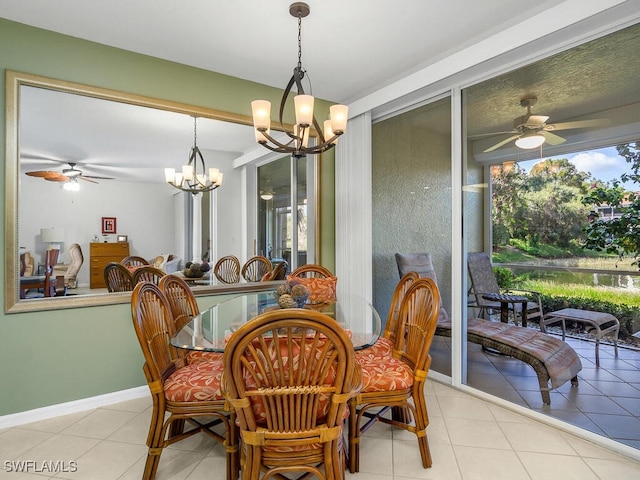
(470, 439)
(606, 401)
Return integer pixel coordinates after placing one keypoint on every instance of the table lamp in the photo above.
(54, 236)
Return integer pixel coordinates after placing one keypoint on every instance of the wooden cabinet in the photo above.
(100, 255)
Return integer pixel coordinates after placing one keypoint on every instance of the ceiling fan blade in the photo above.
(40, 173)
(482, 135)
(86, 179)
(499, 144)
(552, 138)
(57, 178)
(536, 120)
(97, 178)
(598, 122)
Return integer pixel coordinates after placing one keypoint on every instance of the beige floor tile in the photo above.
(15, 442)
(590, 450)
(536, 438)
(476, 433)
(210, 468)
(465, 407)
(614, 470)
(20, 475)
(376, 455)
(100, 423)
(505, 415)
(134, 431)
(544, 466)
(61, 448)
(489, 464)
(407, 462)
(56, 424)
(137, 405)
(106, 461)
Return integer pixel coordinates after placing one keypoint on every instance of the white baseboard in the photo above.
(74, 406)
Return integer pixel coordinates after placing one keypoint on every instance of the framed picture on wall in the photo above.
(108, 225)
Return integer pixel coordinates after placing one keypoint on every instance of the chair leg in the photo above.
(354, 439)
(422, 420)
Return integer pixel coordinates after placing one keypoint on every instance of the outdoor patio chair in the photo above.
(483, 282)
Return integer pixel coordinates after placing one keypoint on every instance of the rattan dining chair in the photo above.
(311, 270)
(383, 347)
(227, 269)
(118, 278)
(255, 268)
(147, 273)
(279, 272)
(398, 381)
(289, 373)
(184, 307)
(182, 394)
(133, 261)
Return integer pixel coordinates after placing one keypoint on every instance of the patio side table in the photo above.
(603, 323)
(505, 300)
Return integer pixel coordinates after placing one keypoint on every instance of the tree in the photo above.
(618, 235)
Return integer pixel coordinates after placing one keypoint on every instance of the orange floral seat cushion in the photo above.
(321, 290)
(194, 356)
(198, 382)
(385, 374)
(380, 350)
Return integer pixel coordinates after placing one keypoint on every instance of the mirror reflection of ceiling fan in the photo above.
(69, 175)
(531, 131)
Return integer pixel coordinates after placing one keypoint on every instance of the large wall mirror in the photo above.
(121, 143)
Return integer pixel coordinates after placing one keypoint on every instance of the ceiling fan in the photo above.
(71, 174)
(531, 131)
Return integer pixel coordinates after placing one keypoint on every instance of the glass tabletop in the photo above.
(209, 330)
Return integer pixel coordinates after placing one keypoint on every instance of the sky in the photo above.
(603, 164)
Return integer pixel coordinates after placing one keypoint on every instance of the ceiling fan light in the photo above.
(530, 140)
(266, 196)
(71, 186)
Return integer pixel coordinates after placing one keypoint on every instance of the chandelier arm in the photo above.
(286, 146)
(283, 102)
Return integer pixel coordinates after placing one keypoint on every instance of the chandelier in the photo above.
(193, 176)
(299, 138)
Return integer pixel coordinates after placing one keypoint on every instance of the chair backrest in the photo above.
(422, 264)
(133, 261)
(27, 264)
(147, 273)
(394, 309)
(151, 315)
(311, 270)
(118, 278)
(77, 259)
(483, 279)
(279, 272)
(50, 259)
(227, 269)
(290, 371)
(417, 321)
(181, 300)
(255, 268)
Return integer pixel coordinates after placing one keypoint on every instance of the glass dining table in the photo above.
(210, 330)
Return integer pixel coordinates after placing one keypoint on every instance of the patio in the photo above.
(606, 402)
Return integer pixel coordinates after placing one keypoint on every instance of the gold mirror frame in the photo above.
(14, 81)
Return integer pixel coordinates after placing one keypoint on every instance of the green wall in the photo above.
(52, 357)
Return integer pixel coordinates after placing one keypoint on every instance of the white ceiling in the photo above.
(350, 49)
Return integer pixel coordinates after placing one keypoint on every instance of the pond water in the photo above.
(609, 279)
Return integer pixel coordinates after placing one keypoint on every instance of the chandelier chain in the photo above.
(300, 42)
